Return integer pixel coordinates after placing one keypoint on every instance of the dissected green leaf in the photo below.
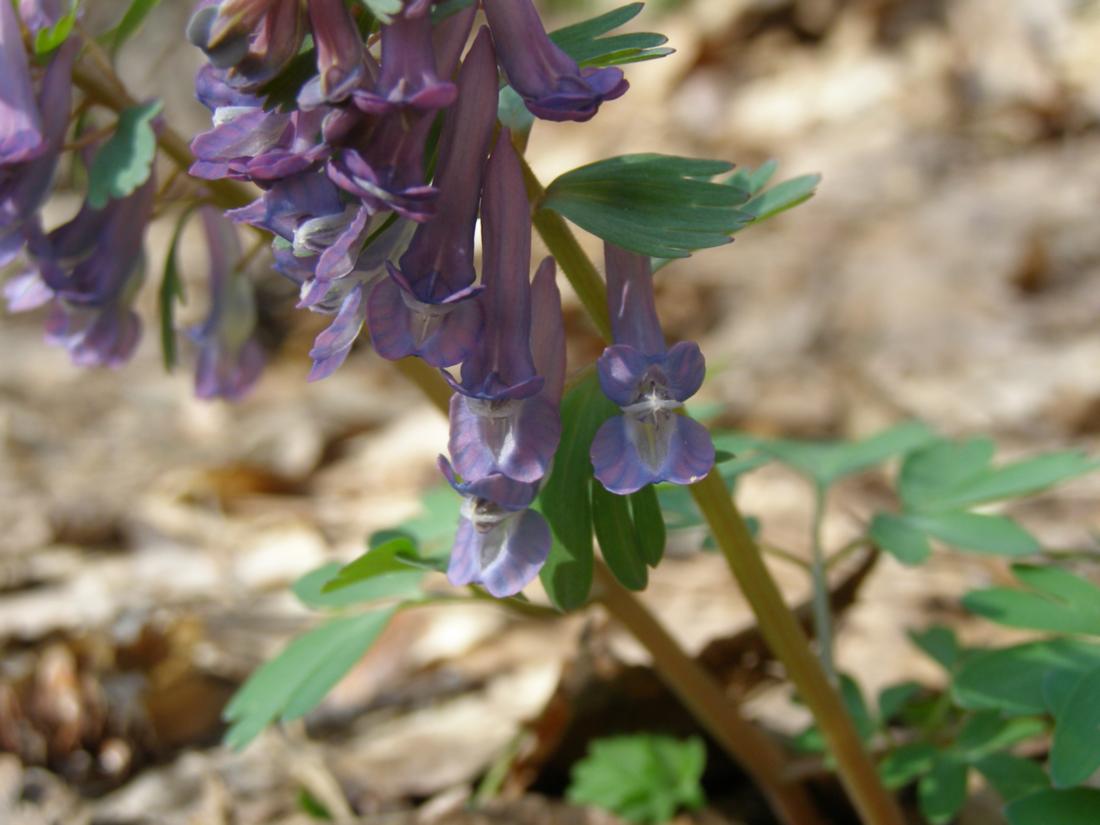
(380, 560)
(648, 524)
(659, 205)
(987, 731)
(826, 461)
(941, 465)
(125, 161)
(1080, 806)
(999, 535)
(752, 181)
(1075, 749)
(585, 43)
(942, 791)
(902, 540)
(940, 643)
(130, 23)
(905, 763)
(642, 778)
(402, 583)
(893, 700)
(1011, 679)
(294, 682)
(617, 537)
(564, 500)
(1012, 776)
(1057, 601)
(781, 197)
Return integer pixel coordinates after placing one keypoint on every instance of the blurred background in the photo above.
(948, 270)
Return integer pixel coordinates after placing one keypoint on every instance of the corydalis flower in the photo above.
(424, 308)
(409, 75)
(253, 39)
(343, 63)
(20, 126)
(650, 442)
(500, 421)
(500, 542)
(92, 264)
(230, 358)
(548, 80)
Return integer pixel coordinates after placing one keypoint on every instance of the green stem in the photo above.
(777, 622)
(781, 630)
(751, 748)
(819, 573)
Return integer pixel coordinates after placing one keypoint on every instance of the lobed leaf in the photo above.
(1012, 776)
(658, 205)
(1058, 601)
(585, 43)
(1075, 748)
(998, 535)
(1079, 806)
(294, 682)
(311, 588)
(564, 500)
(906, 763)
(125, 161)
(942, 791)
(781, 197)
(642, 778)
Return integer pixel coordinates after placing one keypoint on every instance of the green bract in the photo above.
(125, 161)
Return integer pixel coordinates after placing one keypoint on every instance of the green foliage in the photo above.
(942, 791)
(129, 24)
(294, 682)
(659, 205)
(649, 524)
(171, 291)
(313, 589)
(938, 484)
(1011, 679)
(824, 462)
(564, 500)
(781, 197)
(383, 559)
(585, 43)
(52, 37)
(125, 161)
(642, 778)
(1056, 601)
(941, 645)
(1080, 806)
(512, 112)
(1012, 776)
(618, 537)
(1075, 750)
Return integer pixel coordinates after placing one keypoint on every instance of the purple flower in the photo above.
(342, 60)
(21, 136)
(500, 421)
(253, 39)
(650, 442)
(500, 543)
(331, 347)
(230, 358)
(92, 264)
(409, 76)
(24, 186)
(548, 80)
(424, 308)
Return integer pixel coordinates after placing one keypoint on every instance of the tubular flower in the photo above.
(20, 126)
(650, 442)
(500, 542)
(92, 266)
(548, 80)
(424, 308)
(252, 39)
(500, 423)
(230, 358)
(409, 75)
(343, 63)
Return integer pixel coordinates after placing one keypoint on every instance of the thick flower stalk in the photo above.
(650, 441)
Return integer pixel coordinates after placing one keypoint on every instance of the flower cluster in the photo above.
(373, 179)
(87, 269)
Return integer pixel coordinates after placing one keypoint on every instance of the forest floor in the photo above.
(947, 270)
